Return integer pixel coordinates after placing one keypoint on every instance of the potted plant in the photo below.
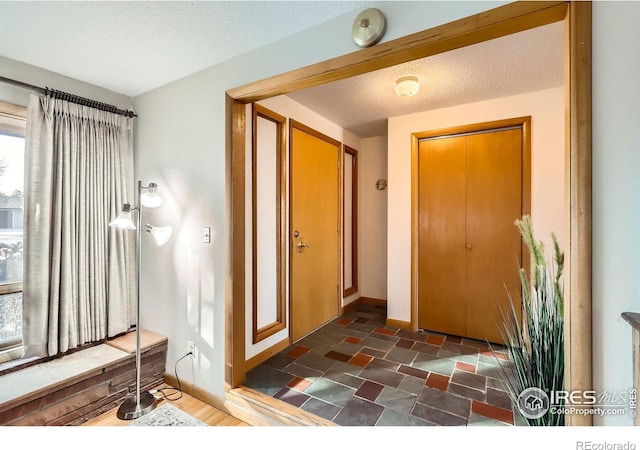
(535, 343)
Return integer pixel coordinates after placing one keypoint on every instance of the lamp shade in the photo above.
(124, 221)
(150, 197)
(407, 86)
(160, 234)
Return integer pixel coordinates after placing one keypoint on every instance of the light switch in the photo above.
(206, 235)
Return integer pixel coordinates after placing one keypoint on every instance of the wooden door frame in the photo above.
(494, 23)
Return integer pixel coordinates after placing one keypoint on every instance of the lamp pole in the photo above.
(142, 403)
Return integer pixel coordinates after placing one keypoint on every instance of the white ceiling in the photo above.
(524, 62)
(131, 47)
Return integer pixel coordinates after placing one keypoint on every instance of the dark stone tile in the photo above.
(347, 368)
(444, 353)
(390, 365)
(396, 399)
(314, 361)
(401, 355)
(425, 348)
(418, 373)
(499, 398)
(412, 385)
(363, 328)
(434, 364)
(466, 392)
(369, 390)
(267, 380)
(437, 416)
(458, 349)
(471, 380)
(405, 343)
(340, 330)
(391, 418)
(359, 412)
(291, 396)
(454, 339)
(302, 371)
(481, 345)
(320, 408)
(385, 337)
(495, 383)
(316, 347)
(343, 378)
(334, 393)
(362, 320)
(325, 337)
(490, 370)
(373, 352)
(478, 420)
(378, 344)
(279, 360)
(338, 356)
(445, 401)
(348, 348)
(469, 359)
(412, 335)
(382, 376)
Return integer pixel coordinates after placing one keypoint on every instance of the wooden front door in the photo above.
(470, 195)
(314, 230)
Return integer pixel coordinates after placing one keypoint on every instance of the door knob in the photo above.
(301, 246)
(469, 247)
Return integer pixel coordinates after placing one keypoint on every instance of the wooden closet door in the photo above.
(494, 251)
(441, 235)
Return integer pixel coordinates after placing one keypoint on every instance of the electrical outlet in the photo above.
(191, 348)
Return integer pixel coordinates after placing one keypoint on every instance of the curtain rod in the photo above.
(70, 97)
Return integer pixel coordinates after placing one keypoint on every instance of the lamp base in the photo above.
(129, 409)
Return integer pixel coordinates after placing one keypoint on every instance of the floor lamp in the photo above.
(143, 402)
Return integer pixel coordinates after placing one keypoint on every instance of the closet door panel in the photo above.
(442, 218)
(494, 203)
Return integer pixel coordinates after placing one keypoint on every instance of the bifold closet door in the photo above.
(494, 202)
(470, 195)
(442, 230)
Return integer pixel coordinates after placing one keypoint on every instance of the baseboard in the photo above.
(399, 324)
(350, 307)
(266, 354)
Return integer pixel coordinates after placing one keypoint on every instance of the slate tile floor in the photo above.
(356, 371)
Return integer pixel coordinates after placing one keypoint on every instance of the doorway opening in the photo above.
(501, 21)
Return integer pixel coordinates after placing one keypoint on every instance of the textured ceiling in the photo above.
(515, 64)
(131, 47)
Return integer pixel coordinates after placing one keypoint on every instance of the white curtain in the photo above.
(79, 273)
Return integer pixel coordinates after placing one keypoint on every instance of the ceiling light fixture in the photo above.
(407, 86)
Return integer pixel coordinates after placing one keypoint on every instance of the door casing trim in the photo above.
(511, 18)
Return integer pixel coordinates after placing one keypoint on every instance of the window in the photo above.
(12, 132)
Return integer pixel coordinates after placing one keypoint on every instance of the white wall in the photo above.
(546, 109)
(372, 218)
(181, 144)
(616, 192)
(35, 76)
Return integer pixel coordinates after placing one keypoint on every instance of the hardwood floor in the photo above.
(196, 408)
